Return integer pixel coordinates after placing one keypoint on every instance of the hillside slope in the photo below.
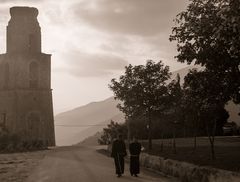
(75, 125)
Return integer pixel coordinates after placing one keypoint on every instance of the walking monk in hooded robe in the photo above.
(135, 150)
(118, 153)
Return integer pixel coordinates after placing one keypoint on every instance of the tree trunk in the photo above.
(195, 135)
(149, 135)
(174, 141)
(149, 131)
(195, 144)
(129, 131)
(162, 142)
(211, 137)
(213, 149)
(184, 130)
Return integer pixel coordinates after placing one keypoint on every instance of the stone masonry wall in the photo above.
(187, 172)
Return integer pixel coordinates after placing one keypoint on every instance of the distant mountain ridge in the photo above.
(75, 125)
(88, 114)
(94, 113)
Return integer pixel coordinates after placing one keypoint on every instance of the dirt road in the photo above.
(84, 164)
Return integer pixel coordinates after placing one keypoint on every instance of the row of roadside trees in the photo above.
(207, 34)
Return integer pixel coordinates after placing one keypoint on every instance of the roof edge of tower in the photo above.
(23, 11)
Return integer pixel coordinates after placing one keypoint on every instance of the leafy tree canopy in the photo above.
(208, 33)
(142, 88)
(205, 95)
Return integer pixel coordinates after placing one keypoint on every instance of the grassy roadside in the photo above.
(18, 166)
(227, 152)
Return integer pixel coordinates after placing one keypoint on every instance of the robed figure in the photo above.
(135, 150)
(118, 153)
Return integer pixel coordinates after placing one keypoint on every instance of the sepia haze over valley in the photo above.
(75, 125)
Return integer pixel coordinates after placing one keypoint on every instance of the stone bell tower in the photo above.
(26, 108)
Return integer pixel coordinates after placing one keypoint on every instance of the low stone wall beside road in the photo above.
(187, 172)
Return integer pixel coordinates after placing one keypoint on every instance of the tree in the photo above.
(124, 92)
(175, 101)
(208, 34)
(138, 127)
(208, 100)
(111, 132)
(142, 89)
(192, 104)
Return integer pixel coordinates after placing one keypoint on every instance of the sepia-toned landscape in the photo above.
(116, 90)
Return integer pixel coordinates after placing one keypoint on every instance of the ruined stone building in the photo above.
(26, 108)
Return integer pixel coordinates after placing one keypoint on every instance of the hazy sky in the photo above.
(92, 40)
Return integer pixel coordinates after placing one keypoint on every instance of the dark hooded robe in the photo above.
(135, 150)
(118, 153)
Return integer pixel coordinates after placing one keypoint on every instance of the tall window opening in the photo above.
(34, 125)
(33, 120)
(33, 75)
(32, 43)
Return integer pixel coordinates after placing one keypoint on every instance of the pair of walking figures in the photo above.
(119, 152)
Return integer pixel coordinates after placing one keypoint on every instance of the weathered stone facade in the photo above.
(25, 80)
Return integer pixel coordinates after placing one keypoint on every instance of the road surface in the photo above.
(85, 164)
